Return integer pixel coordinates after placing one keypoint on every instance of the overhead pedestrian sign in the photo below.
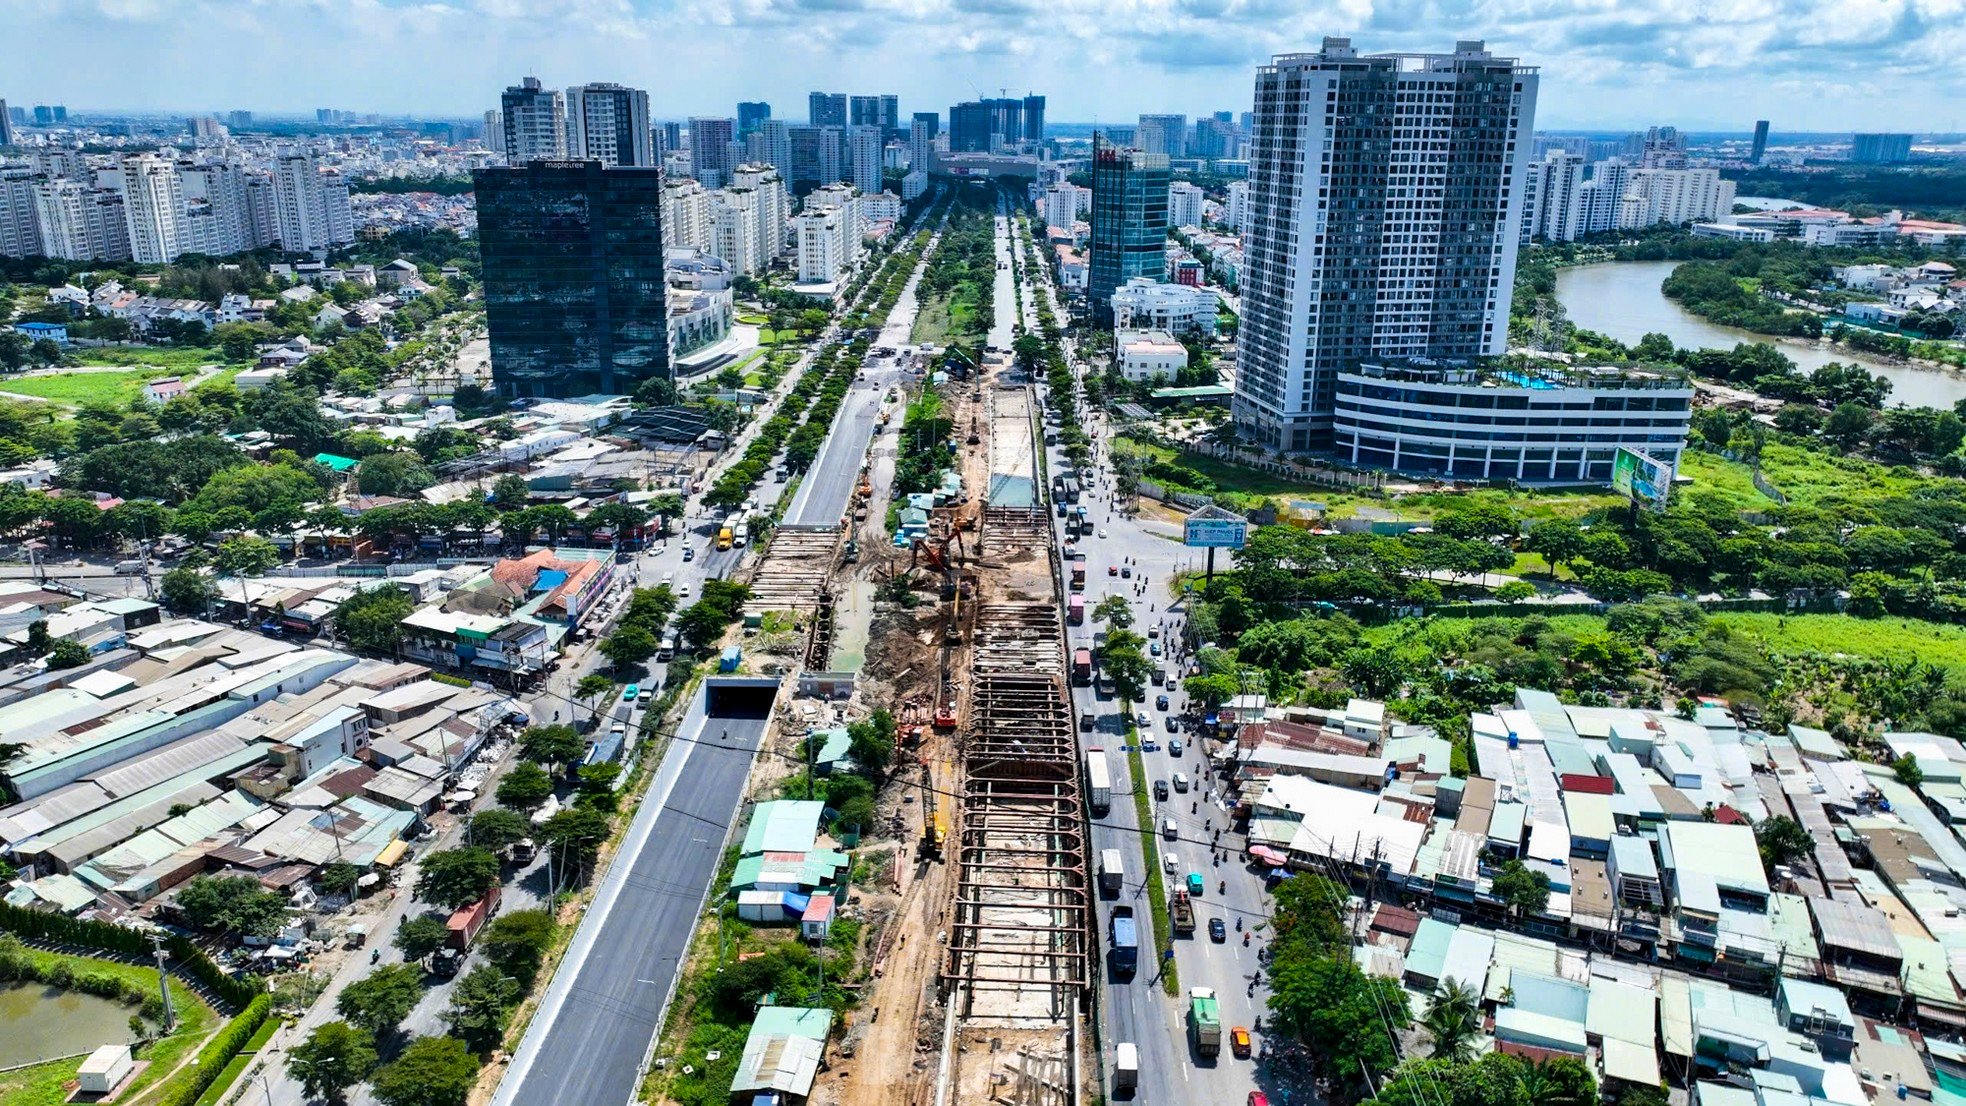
(1211, 527)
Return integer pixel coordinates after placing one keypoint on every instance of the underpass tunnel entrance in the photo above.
(739, 697)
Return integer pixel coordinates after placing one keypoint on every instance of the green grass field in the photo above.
(1936, 642)
(1805, 476)
(43, 1084)
(187, 359)
(75, 389)
(753, 320)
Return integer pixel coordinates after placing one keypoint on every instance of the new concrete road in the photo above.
(827, 489)
(1135, 561)
(598, 1021)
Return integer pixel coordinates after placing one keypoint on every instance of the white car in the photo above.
(1102, 533)
(1170, 862)
(682, 589)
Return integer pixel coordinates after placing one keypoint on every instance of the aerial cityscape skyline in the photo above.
(1607, 68)
(692, 555)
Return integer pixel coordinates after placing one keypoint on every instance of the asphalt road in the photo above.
(1135, 1008)
(827, 489)
(596, 1025)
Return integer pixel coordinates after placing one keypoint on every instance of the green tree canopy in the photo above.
(333, 1058)
(454, 877)
(432, 1071)
(380, 1001)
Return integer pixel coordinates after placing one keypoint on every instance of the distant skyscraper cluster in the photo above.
(156, 207)
(991, 126)
(1565, 198)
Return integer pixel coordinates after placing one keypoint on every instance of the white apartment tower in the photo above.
(1183, 204)
(822, 251)
(609, 123)
(1552, 205)
(1238, 212)
(864, 146)
(153, 205)
(1064, 203)
(1385, 206)
(20, 233)
(534, 120)
(770, 144)
(1676, 196)
(921, 144)
(685, 214)
(773, 207)
(310, 204)
(80, 222)
(217, 218)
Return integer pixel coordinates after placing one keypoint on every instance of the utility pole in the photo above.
(163, 979)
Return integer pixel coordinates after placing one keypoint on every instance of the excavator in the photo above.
(935, 824)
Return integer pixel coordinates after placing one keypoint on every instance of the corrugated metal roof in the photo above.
(1843, 924)
(1624, 1012)
(176, 759)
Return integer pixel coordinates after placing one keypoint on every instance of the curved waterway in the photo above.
(1621, 299)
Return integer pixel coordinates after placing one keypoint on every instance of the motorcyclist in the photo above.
(1222, 887)
(1238, 925)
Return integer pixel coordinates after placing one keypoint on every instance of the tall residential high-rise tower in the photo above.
(864, 146)
(1163, 134)
(535, 121)
(1033, 118)
(969, 127)
(750, 113)
(609, 123)
(6, 125)
(153, 203)
(575, 297)
(710, 156)
(1129, 220)
(826, 109)
(1385, 195)
(1760, 141)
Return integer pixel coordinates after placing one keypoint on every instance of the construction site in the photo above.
(979, 922)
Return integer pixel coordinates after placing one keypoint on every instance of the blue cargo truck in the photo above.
(1125, 941)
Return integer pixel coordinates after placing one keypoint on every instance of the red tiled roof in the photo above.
(1589, 785)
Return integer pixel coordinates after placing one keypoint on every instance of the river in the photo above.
(38, 1022)
(1621, 299)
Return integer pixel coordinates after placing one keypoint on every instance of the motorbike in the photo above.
(1238, 925)
(1245, 944)
(1222, 887)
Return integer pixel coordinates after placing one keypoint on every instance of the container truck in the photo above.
(1112, 873)
(1075, 610)
(1124, 943)
(1078, 575)
(1100, 779)
(1082, 667)
(470, 918)
(1205, 1019)
(1182, 911)
(1126, 1069)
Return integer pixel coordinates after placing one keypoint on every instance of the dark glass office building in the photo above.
(969, 128)
(575, 298)
(1129, 220)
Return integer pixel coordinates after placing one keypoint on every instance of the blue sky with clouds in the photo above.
(1714, 64)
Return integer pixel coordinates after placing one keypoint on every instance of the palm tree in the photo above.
(1451, 1021)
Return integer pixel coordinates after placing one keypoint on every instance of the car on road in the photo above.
(1239, 1038)
(682, 590)
(647, 694)
(1141, 720)
(689, 553)
(1174, 747)
(1153, 648)
(1258, 1098)
(1195, 884)
(1153, 631)
(1171, 863)
(1112, 570)
(1173, 724)
(1181, 782)
(1102, 533)
(1217, 932)
(1160, 790)
(628, 693)
(1160, 702)
(1126, 571)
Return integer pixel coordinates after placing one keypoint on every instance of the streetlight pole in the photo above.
(163, 980)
